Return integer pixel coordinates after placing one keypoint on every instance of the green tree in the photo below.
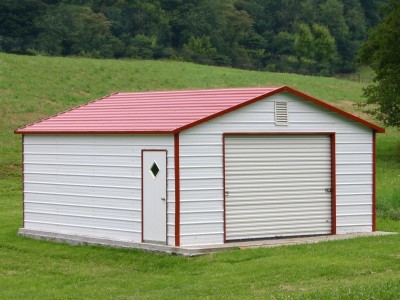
(332, 16)
(381, 51)
(199, 49)
(76, 30)
(283, 43)
(18, 30)
(307, 12)
(325, 52)
(372, 11)
(142, 46)
(304, 42)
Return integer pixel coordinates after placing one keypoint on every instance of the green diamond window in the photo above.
(154, 169)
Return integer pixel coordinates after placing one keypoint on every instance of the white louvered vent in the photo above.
(281, 113)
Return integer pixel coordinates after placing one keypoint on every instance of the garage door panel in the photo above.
(279, 177)
(277, 231)
(279, 168)
(284, 209)
(277, 185)
(279, 200)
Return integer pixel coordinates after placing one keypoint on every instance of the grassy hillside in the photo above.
(34, 87)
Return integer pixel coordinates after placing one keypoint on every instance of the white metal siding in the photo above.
(275, 185)
(202, 168)
(90, 184)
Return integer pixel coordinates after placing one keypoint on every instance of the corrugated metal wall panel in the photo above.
(262, 201)
(206, 139)
(90, 185)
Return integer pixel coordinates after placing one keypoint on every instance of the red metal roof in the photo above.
(159, 112)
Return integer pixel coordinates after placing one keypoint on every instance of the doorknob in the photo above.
(163, 199)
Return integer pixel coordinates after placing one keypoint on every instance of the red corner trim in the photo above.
(223, 180)
(333, 183)
(23, 180)
(177, 192)
(374, 181)
(142, 194)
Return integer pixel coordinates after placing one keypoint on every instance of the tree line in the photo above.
(310, 36)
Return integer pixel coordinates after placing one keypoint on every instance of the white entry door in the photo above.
(154, 176)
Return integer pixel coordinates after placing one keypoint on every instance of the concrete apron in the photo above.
(192, 250)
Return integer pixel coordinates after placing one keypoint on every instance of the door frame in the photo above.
(166, 192)
(333, 168)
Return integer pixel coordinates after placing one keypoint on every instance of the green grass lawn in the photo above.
(34, 87)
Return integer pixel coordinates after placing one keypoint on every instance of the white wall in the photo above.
(90, 184)
(201, 156)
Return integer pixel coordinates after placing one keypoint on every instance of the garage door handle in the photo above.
(328, 190)
(163, 199)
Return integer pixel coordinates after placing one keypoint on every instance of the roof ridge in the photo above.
(203, 90)
(65, 111)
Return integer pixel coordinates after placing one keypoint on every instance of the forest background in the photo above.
(308, 37)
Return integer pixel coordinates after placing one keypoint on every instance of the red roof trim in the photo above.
(94, 132)
(335, 109)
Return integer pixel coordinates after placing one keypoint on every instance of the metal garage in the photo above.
(199, 167)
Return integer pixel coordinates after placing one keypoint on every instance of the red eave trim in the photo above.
(22, 131)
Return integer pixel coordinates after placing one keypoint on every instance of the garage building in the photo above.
(199, 167)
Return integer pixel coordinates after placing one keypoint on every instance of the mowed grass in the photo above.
(35, 87)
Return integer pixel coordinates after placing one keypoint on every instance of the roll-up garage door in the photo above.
(277, 185)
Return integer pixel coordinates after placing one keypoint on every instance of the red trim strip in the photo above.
(374, 181)
(333, 183)
(177, 192)
(223, 174)
(23, 180)
(142, 196)
(93, 132)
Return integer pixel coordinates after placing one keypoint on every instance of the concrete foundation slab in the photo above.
(191, 250)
